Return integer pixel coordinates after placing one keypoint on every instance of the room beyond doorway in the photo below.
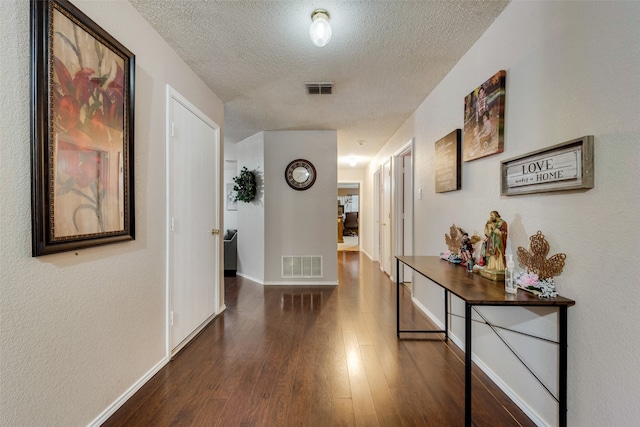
(348, 216)
(349, 243)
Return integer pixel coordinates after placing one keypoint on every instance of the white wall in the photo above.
(351, 174)
(79, 328)
(251, 216)
(300, 223)
(282, 221)
(572, 70)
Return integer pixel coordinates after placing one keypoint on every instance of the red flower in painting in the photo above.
(64, 77)
(82, 166)
(113, 98)
(68, 112)
(81, 87)
(84, 87)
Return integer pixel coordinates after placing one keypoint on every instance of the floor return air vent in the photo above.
(302, 266)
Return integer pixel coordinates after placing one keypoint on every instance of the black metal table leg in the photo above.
(420, 331)
(562, 366)
(397, 297)
(446, 315)
(467, 365)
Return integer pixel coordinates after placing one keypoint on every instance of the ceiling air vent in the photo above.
(319, 88)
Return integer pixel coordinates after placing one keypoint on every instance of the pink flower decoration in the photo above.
(529, 279)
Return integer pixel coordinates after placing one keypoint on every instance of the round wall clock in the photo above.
(300, 174)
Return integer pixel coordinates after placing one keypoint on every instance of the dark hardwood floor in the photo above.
(316, 356)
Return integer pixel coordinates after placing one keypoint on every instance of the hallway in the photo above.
(310, 356)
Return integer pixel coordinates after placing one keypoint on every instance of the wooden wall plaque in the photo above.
(448, 161)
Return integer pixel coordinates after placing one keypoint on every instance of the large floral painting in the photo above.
(83, 132)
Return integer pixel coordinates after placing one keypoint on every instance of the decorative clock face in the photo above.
(300, 174)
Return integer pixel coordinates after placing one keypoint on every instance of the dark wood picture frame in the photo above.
(82, 97)
(448, 162)
(484, 118)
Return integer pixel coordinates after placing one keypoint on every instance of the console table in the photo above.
(475, 290)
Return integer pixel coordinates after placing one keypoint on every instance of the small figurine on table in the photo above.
(466, 249)
(493, 247)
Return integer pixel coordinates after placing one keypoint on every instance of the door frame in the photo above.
(386, 218)
(403, 212)
(172, 94)
(359, 182)
(377, 182)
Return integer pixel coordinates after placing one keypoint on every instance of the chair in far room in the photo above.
(230, 252)
(351, 223)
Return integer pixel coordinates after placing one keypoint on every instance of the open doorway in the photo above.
(348, 216)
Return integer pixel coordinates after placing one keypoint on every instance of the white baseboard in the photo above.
(192, 335)
(111, 409)
(253, 279)
(289, 283)
(484, 368)
(104, 416)
(309, 283)
(430, 315)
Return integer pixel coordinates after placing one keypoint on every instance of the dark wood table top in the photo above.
(472, 287)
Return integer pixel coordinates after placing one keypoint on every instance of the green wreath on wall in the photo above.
(245, 186)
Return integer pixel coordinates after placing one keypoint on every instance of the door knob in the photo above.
(215, 231)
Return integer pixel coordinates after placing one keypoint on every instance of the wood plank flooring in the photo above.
(316, 356)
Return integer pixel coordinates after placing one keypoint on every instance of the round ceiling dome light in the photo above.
(320, 30)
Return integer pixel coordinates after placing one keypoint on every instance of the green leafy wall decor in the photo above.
(245, 186)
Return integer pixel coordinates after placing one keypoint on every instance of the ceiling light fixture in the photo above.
(320, 30)
(353, 161)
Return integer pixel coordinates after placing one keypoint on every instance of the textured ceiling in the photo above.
(384, 58)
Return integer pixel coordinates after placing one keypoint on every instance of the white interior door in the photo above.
(385, 220)
(377, 213)
(402, 209)
(193, 238)
(407, 243)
